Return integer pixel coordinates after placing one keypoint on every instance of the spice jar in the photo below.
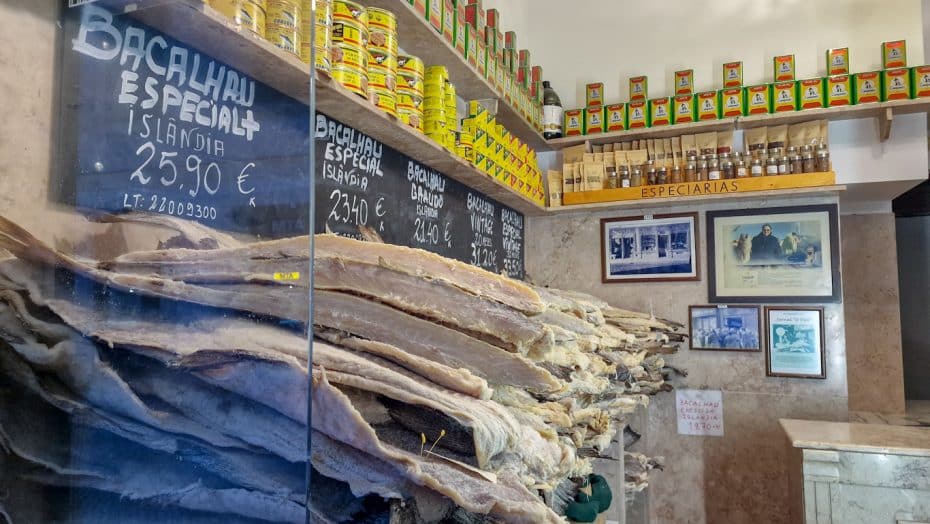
(713, 169)
(701, 170)
(727, 170)
(611, 178)
(807, 162)
(740, 170)
(796, 164)
(675, 177)
(691, 170)
(823, 160)
(771, 166)
(783, 166)
(650, 175)
(636, 179)
(662, 175)
(791, 151)
(755, 167)
(624, 176)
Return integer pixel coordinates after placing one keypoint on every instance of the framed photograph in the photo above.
(777, 255)
(725, 328)
(795, 345)
(659, 248)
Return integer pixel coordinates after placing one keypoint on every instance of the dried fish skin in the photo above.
(430, 265)
(427, 340)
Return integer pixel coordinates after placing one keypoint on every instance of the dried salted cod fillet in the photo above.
(362, 472)
(460, 380)
(430, 265)
(429, 298)
(193, 232)
(251, 470)
(507, 499)
(427, 340)
(277, 301)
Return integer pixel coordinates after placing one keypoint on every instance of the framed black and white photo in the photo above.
(795, 342)
(649, 249)
(725, 328)
(775, 255)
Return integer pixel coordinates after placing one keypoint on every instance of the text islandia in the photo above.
(184, 84)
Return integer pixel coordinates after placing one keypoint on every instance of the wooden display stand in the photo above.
(689, 190)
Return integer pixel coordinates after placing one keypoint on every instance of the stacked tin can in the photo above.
(282, 25)
(435, 115)
(350, 46)
(324, 32)
(246, 14)
(382, 60)
(410, 91)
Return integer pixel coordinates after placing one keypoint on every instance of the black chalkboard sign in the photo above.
(155, 125)
(362, 182)
(152, 124)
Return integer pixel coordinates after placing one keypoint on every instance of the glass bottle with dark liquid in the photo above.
(552, 113)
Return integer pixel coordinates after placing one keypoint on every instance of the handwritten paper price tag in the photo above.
(700, 412)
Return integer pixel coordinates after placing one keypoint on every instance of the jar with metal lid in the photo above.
(624, 176)
(808, 165)
(740, 170)
(611, 178)
(701, 170)
(650, 175)
(692, 158)
(774, 152)
(662, 175)
(727, 169)
(675, 176)
(791, 151)
(784, 167)
(796, 164)
(636, 179)
(691, 170)
(823, 160)
(756, 168)
(771, 166)
(713, 169)
(807, 148)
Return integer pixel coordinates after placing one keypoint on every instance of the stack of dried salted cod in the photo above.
(511, 387)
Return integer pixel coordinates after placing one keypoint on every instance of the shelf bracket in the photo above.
(884, 123)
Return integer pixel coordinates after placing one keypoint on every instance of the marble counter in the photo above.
(853, 473)
(865, 438)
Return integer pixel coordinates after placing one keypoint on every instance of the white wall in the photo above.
(582, 41)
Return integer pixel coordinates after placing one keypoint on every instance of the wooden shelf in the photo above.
(204, 28)
(649, 132)
(884, 111)
(417, 37)
(660, 203)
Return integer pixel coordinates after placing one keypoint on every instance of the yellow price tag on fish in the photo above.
(287, 276)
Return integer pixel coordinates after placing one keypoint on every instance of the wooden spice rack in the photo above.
(689, 192)
(883, 111)
(202, 27)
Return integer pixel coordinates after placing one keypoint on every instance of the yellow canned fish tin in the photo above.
(466, 139)
(435, 115)
(324, 36)
(352, 79)
(437, 71)
(382, 18)
(432, 102)
(382, 40)
(432, 89)
(351, 32)
(350, 55)
(383, 100)
(324, 13)
(434, 127)
(382, 58)
(283, 37)
(408, 81)
(410, 117)
(410, 64)
(323, 60)
(246, 14)
(349, 11)
(408, 98)
(381, 77)
(283, 13)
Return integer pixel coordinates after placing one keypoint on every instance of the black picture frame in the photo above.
(770, 344)
(695, 342)
(694, 248)
(714, 256)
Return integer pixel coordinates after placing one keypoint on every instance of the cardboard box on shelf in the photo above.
(867, 87)
(839, 90)
(708, 107)
(731, 101)
(758, 99)
(811, 93)
(683, 109)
